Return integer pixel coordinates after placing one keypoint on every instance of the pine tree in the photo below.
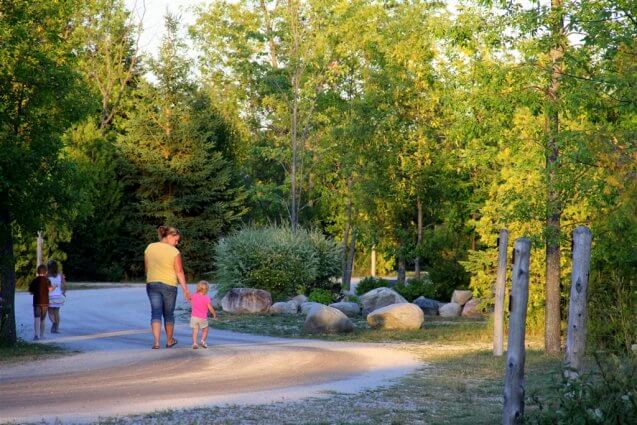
(176, 172)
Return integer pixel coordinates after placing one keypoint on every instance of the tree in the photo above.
(176, 173)
(39, 92)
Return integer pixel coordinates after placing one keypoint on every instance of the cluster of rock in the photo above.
(383, 307)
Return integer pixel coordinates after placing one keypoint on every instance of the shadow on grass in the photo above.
(24, 351)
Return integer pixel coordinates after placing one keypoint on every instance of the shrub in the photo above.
(276, 259)
(328, 254)
(415, 288)
(369, 283)
(607, 395)
(322, 296)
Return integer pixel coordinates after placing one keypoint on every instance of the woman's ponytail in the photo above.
(163, 231)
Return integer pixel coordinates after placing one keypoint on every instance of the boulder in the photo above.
(324, 319)
(306, 306)
(472, 308)
(428, 306)
(289, 307)
(349, 308)
(461, 297)
(380, 297)
(450, 310)
(246, 300)
(403, 316)
(299, 299)
(213, 293)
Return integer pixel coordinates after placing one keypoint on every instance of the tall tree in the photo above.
(39, 92)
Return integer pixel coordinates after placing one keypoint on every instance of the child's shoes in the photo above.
(203, 344)
(195, 346)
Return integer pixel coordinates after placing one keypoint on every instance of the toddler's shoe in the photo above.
(203, 344)
(195, 346)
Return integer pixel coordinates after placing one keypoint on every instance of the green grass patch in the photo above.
(435, 329)
(25, 351)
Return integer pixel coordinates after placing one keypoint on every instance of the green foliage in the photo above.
(277, 259)
(368, 283)
(606, 395)
(322, 296)
(175, 172)
(414, 288)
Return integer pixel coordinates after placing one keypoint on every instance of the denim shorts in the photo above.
(162, 302)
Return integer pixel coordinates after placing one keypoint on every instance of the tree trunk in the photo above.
(346, 231)
(552, 340)
(419, 239)
(513, 411)
(7, 275)
(576, 337)
(347, 277)
(500, 287)
(38, 250)
(402, 270)
(296, 81)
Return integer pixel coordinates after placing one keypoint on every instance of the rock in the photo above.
(380, 297)
(246, 300)
(403, 316)
(299, 299)
(472, 308)
(324, 319)
(349, 308)
(289, 307)
(306, 306)
(461, 297)
(213, 293)
(450, 310)
(429, 307)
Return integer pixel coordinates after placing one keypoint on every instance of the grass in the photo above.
(26, 351)
(435, 329)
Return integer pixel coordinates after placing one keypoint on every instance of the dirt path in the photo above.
(118, 374)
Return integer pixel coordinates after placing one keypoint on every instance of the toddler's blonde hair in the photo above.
(202, 287)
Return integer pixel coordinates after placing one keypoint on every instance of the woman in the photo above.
(57, 296)
(164, 269)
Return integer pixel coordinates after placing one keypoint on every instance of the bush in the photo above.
(607, 395)
(322, 296)
(369, 283)
(415, 288)
(276, 259)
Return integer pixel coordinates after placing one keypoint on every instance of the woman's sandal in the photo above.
(172, 344)
(156, 347)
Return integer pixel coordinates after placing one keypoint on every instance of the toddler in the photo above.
(201, 304)
(39, 288)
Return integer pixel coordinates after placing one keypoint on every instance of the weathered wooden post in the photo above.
(38, 252)
(500, 284)
(514, 375)
(576, 336)
(373, 261)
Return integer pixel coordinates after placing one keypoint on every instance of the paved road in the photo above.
(117, 373)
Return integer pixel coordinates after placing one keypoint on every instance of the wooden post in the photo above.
(500, 284)
(374, 261)
(576, 337)
(38, 252)
(514, 375)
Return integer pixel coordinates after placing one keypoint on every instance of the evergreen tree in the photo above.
(176, 172)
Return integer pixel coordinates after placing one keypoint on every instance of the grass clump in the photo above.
(26, 351)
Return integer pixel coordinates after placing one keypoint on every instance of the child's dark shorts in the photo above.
(40, 310)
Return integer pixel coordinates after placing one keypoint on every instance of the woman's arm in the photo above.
(181, 277)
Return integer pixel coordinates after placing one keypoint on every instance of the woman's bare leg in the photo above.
(170, 328)
(156, 329)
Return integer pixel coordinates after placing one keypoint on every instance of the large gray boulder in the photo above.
(246, 300)
(380, 297)
(461, 297)
(404, 316)
(324, 319)
(289, 307)
(428, 306)
(213, 293)
(472, 308)
(299, 299)
(450, 310)
(307, 306)
(349, 308)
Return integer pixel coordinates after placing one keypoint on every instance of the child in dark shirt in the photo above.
(40, 287)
